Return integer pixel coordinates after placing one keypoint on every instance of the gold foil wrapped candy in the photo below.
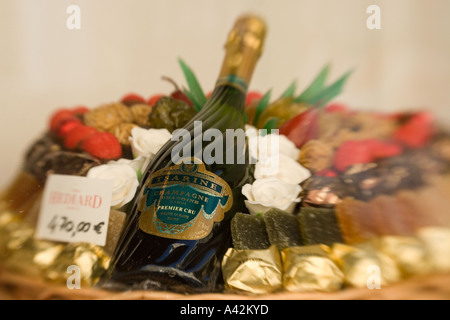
(408, 252)
(437, 244)
(309, 268)
(365, 267)
(81, 259)
(9, 222)
(252, 271)
(22, 253)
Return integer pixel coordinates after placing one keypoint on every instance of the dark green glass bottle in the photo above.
(179, 226)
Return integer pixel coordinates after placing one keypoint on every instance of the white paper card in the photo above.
(75, 209)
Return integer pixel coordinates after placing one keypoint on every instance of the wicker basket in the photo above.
(17, 287)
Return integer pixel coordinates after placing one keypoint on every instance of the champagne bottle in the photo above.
(179, 226)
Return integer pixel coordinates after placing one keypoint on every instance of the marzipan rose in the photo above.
(270, 192)
(147, 142)
(124, 178)
(282, 167)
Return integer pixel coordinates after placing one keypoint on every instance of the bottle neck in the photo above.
(237, 67)
(242, 51)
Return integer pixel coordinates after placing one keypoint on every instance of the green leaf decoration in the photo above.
(323, 97)
(262, 105)
(270, 125)
(195, 92)
(315, 87)
(245, 117)
(290, 91)
(197, 105)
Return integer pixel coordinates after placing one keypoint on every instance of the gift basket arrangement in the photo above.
(319, 201)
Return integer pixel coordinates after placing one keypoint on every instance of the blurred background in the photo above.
(127, 46)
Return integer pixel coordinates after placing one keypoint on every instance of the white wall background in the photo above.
(126, 46)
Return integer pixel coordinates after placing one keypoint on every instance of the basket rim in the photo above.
(14, 286)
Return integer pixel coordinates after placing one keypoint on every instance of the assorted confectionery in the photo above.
(358, 198)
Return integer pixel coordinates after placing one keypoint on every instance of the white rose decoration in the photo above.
(271, 192)
(282, 167)
(124, 178)
(288, 148)
(138, 164)
(263, 147)
(147, 142)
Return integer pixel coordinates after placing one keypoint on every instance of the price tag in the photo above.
(75, 209)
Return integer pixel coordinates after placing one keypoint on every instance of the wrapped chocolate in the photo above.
(252, 271)
(384, 176)
(25, 254)
(318, 226)
(409, 253)
(363, 266)
(437, 244)
(9, 222)
(309, 268)
(249, 232)
(91, 261)
(282, 228)
(323, 191)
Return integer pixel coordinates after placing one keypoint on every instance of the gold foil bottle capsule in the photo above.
(437, 244)
(309, 268)
(252, 271)
(408, 252)
(364, 267)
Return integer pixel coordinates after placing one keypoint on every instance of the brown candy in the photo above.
(107, 116)
(141, 114)
(122, 132)
(356, 220)
(316, 155)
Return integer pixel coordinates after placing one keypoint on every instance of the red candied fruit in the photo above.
(152, 100)
(102, 145)
(66, 127)
(132, 98)
(59, 117)
(252, 96)
(417, 131)
(77, 135)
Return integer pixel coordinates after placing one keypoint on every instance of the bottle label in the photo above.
(183, 202)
